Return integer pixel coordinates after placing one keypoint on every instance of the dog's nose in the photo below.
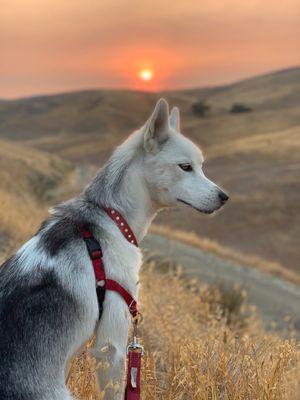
(223, 196)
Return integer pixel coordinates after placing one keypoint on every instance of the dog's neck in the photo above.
(135, 203)
(123, 188)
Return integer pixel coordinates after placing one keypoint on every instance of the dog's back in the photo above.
(35, 313)
(38, 313)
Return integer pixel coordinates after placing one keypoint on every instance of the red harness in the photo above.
(102, 283)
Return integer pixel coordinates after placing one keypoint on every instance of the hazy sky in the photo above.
(58, 45)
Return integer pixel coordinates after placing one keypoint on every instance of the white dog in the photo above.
(48, 301)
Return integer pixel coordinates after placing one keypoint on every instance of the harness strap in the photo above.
(102, 283)
(129, 300)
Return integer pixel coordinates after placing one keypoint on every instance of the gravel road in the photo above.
(274, 298)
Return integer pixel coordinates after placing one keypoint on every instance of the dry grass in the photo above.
(211, 246)
(27, 177)
(195, 351)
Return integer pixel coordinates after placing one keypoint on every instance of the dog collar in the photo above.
(122, 225)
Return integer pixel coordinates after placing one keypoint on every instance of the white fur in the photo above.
(31, 255)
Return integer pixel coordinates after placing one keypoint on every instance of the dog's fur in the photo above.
(48, 304)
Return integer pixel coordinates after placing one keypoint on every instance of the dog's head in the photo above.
(173, 163)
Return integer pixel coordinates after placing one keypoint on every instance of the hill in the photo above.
(27, 178)
(278, 89)
(254, 155)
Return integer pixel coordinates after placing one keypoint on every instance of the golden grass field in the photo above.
(27, 177)
(201, 345)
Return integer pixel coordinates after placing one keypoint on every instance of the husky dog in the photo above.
(48, 302)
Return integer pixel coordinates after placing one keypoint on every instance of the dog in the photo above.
(48, 302)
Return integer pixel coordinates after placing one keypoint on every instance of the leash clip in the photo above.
(135, 346)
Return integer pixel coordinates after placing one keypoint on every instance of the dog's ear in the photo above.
(157, 127)
(175, 118)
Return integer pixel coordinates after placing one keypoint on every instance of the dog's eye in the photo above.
(186, 167)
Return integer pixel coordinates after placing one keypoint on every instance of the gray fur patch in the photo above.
(34, 312)
(56, 234)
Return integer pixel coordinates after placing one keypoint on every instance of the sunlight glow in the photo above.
(145, 75)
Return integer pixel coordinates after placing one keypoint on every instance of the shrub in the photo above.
(41, 184)
(201, 108)
(240, 108)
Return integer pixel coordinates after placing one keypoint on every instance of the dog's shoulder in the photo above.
(56, 234)
(64, 226)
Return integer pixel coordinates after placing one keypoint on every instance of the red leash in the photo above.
(134, 350)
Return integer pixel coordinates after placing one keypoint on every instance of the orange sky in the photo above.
(59, 45)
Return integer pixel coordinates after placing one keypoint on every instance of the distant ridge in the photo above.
(273, 73)
(95, 112)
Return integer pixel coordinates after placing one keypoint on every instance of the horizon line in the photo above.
(165, 90)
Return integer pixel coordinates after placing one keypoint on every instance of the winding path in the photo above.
(275, 299)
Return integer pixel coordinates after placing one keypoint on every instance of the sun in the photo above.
(145, 75)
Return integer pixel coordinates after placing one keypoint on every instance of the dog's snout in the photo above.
(223, 196)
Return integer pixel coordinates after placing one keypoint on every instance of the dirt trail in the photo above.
(274, 298)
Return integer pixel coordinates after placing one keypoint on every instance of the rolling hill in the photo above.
(254, 155)
(27, 179)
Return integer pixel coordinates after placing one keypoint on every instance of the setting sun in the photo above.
(146, 74)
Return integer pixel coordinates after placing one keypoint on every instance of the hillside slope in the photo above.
(279, 89)
(254, 155)
(27, 177)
